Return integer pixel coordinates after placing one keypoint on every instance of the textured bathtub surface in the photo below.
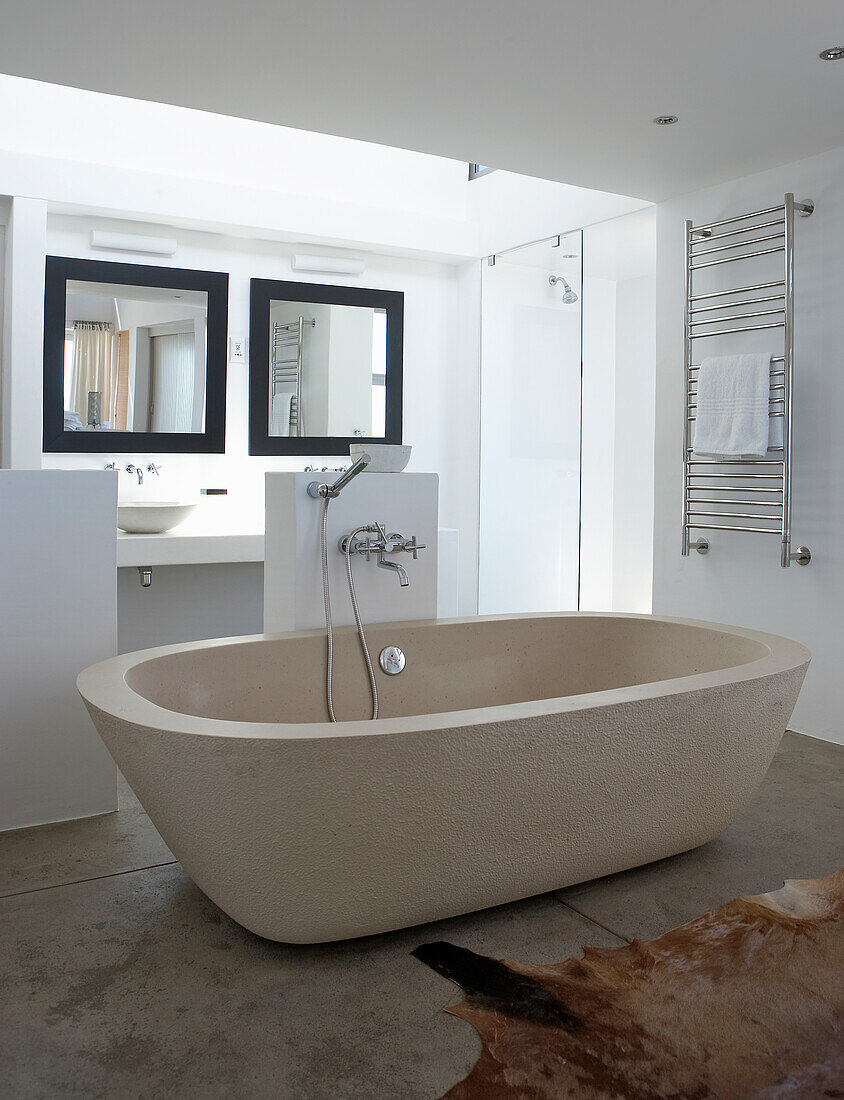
(303, 831)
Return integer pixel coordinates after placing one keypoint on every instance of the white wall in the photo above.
(598, 449)
(459, 430)
(435, 421)
(619, 369)
(4, 214)
(633, 480)
(57, 616)
(442, 319)
(740, 580)
(242, 196)
(23, 295)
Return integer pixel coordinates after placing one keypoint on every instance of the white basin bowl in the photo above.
(151, 517)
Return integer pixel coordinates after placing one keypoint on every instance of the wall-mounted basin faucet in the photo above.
(130, 469)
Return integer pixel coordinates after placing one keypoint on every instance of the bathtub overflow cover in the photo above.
(392, 660)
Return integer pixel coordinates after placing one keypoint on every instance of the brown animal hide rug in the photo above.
(744, 1003)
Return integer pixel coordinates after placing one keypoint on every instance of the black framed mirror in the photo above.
(325, 367)
(134, 357)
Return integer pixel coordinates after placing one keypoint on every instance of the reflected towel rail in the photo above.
(286, 372)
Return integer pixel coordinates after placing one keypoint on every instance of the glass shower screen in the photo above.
(529, 552)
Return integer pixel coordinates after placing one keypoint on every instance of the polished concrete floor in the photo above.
(120, 980)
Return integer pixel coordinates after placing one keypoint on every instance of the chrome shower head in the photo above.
(329, 492)
(569, 296)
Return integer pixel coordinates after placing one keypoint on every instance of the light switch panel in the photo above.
(237, 349)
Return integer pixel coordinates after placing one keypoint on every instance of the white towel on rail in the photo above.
(280, 414)
(732, 417)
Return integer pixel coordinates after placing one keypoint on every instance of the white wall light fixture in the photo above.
(130, 242)
(330, 265)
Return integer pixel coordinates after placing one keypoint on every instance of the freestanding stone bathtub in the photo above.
(514, 755)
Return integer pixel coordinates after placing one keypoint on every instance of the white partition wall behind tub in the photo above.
(58, 614)
(404, 503)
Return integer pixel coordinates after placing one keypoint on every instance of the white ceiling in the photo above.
(549, 88)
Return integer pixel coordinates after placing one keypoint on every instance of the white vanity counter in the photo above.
(189, 546)
(217, 532)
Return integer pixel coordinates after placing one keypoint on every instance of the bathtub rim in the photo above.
(104, 685)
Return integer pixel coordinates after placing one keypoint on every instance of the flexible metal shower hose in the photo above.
(329, 628)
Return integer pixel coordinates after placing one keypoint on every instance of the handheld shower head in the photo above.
(316, 490)
(569, 296)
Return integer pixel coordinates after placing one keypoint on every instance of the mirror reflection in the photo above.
(327, 370)
(134, 358)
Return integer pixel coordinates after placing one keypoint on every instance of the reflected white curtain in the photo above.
(93, 368)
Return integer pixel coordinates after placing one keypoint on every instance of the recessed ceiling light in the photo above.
(665, 120)
(835, 53)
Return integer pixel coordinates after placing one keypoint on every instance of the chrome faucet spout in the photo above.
(399, 570)
(130, 469)
(381, 546)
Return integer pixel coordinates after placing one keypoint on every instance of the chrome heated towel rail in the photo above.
(752, 494)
